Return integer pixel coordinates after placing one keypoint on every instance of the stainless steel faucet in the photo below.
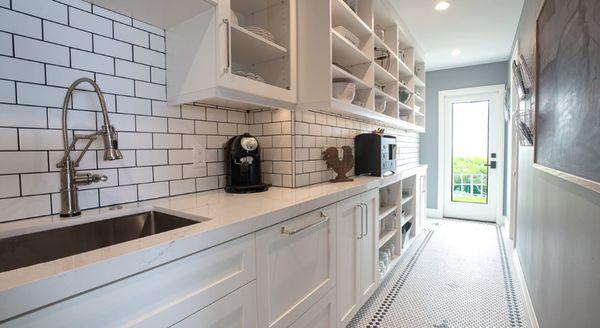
(69, 178)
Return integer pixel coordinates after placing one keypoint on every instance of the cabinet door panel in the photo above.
(320, 315)
(349, 231)
(368, 247)
(294, 270)
(236, 310)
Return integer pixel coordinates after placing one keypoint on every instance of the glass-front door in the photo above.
(472, 148)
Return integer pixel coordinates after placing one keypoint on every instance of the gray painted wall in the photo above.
(557, 231)
(448, 79)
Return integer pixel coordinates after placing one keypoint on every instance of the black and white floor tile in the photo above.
(458, 274)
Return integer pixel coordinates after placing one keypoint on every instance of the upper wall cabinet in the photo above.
(241, 54)
(355, 58)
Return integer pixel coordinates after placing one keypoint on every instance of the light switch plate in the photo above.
(199, 156)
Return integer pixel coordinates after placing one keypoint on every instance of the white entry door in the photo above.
(473, 153)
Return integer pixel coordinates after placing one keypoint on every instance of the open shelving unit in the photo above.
(398, 217)
(383, 62)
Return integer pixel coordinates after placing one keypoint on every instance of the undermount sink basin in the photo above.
(25, 250)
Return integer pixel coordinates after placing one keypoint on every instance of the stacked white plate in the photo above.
(261, 32)
(252, 76)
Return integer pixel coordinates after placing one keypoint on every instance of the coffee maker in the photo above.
(242, 165)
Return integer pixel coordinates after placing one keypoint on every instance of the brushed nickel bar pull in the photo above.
(228, 68)
(285, 231)
(362, 226)
(366, 218)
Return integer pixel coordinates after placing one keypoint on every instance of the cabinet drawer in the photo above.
(159, 297)
(235, 310)
(295, 266)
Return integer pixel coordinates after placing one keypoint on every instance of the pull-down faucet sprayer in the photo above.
(69, 178)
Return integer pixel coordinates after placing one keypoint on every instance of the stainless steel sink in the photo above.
(25, 250)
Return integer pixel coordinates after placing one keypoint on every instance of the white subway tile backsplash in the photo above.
(23, 162)
(191, 140)
(215, 142)
(148, 57)
(161, 108)
(9, 139)
(157, 43)
(41, 51)
(193, 112)
(153, 190)
(40, 183)
(132, 70)
(215, 114)
(87, 199)
(179, 187)
(150, 90)
(88, 162)
(113, 48)
(5, 3)
(148, 27)
(164, 173)
(121, 122)
(6, 44)
(158, 75)
(90, 22)
(135, 175)
(23, 116)
(67, 36)
(151, 124)
(180, 156)
(234, 116)
(228, 129)
(14, 22)
(40, 95)
(134, 105)
(132, 140)
(203, 127)
(116, 85)
(166, 141)
(76, 119)
(189, 171)
(118, 195)
(77, 4)
(21, 70)
(208, 183)
(92, 62)
(127, 161)
(10, 186)
(64, 77)
(37, 139)
(151, 157)
(24, 207)
(89, 101)
(181, 126)
(50, 10)
(111, 15)
(261, 117)
(131, 35)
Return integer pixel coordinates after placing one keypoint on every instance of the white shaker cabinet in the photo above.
(240, 54)
(357, 245)
(295, 263)
(320, 315)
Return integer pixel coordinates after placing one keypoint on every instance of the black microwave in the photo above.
(375, 154)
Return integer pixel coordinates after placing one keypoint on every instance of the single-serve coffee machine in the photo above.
(242, 165)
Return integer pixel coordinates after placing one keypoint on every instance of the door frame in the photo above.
(442, 95)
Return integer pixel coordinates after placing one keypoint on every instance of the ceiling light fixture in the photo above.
(455, 52)
(442, 5)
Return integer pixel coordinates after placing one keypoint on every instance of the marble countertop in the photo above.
(222, 217)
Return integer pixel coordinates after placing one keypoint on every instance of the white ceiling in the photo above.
(482, 29)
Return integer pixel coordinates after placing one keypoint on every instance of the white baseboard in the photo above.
(524, 290)
(433, 213)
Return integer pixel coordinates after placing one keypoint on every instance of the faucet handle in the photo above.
(85, 179)
(99, 178)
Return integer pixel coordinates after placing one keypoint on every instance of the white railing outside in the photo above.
(467, 186)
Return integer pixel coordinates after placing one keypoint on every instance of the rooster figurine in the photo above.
(340, 166)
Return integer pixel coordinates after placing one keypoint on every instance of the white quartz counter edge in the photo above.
(224, 217)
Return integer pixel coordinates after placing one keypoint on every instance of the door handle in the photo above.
(361, 222)
(366, 208)
(491, 165)
(324, 218)
(228, 67)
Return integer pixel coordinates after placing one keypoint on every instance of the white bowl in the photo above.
(344, 91)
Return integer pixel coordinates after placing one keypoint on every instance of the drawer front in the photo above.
(295, 266)
(235, 310)
(159, 297)
(320, 315)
